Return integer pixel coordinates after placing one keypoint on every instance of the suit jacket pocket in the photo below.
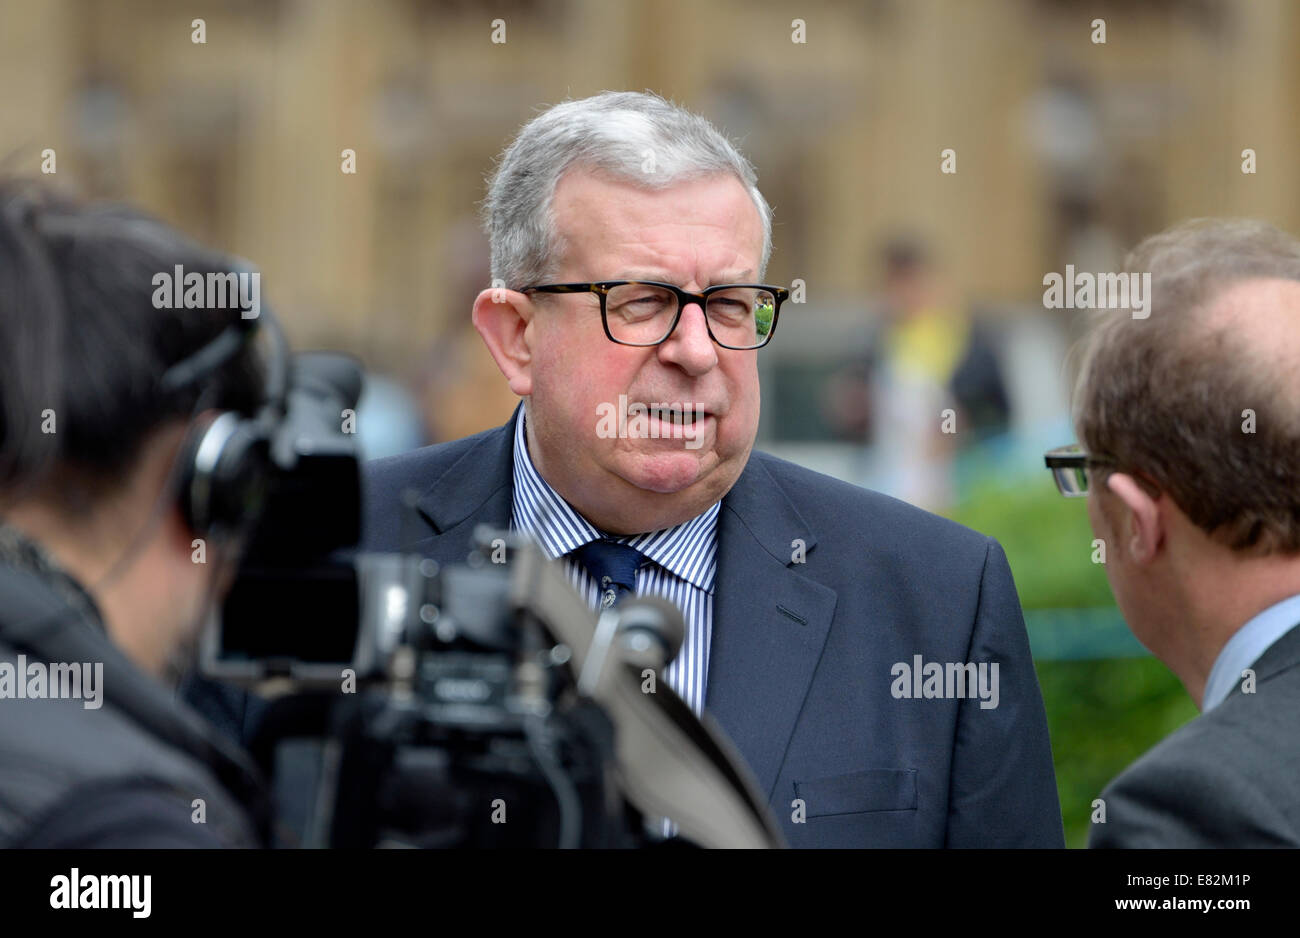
(856, 792)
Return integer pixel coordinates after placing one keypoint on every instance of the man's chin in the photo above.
(667, 473)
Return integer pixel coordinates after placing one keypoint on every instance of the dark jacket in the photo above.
(1229, 778)
(139, 770)
(800, 671)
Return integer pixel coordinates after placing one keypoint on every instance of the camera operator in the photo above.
(113, 542)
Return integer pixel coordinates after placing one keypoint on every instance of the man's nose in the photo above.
(689, 347)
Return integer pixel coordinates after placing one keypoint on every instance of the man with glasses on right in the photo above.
(1189, 456)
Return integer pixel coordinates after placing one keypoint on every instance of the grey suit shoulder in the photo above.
(1229, 778)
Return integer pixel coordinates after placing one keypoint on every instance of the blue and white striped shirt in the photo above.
(683, 570)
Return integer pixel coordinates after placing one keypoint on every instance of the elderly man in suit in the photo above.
(1189, 421)
(629, 243)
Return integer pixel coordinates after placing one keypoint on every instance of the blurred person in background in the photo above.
(101, 595)
(929, 356)
(932, 357)
(1189, 455)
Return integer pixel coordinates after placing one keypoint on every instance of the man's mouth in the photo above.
(685, 416)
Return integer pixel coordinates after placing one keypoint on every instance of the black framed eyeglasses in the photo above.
(738, 316)
(1070, 465)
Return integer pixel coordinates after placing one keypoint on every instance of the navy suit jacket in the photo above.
(800, 672)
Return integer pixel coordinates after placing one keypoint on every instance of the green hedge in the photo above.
(1102, 713)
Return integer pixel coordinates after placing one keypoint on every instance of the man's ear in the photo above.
(1140, 521)
(504, 319)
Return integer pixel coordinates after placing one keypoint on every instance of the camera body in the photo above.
(477, 704)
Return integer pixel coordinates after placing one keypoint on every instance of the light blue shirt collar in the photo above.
(1245, 648)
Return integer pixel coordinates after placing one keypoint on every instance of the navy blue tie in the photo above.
(613, 566)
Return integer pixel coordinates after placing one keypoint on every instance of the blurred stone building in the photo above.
(1067, 150)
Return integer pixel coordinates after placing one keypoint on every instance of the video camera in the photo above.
(480, 704)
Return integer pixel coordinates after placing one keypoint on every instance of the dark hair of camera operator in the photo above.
(97, 562)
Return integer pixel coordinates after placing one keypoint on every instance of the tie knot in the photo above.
(613, 566)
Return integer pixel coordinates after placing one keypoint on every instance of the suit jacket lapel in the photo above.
(477, 489)
(769, 622)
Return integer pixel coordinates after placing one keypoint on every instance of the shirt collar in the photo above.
(688, 550)
(1246, 647)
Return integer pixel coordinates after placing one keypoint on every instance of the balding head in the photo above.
(1202, 398)
(1259, 319)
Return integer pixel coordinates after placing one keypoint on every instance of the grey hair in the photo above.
(613, 132)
